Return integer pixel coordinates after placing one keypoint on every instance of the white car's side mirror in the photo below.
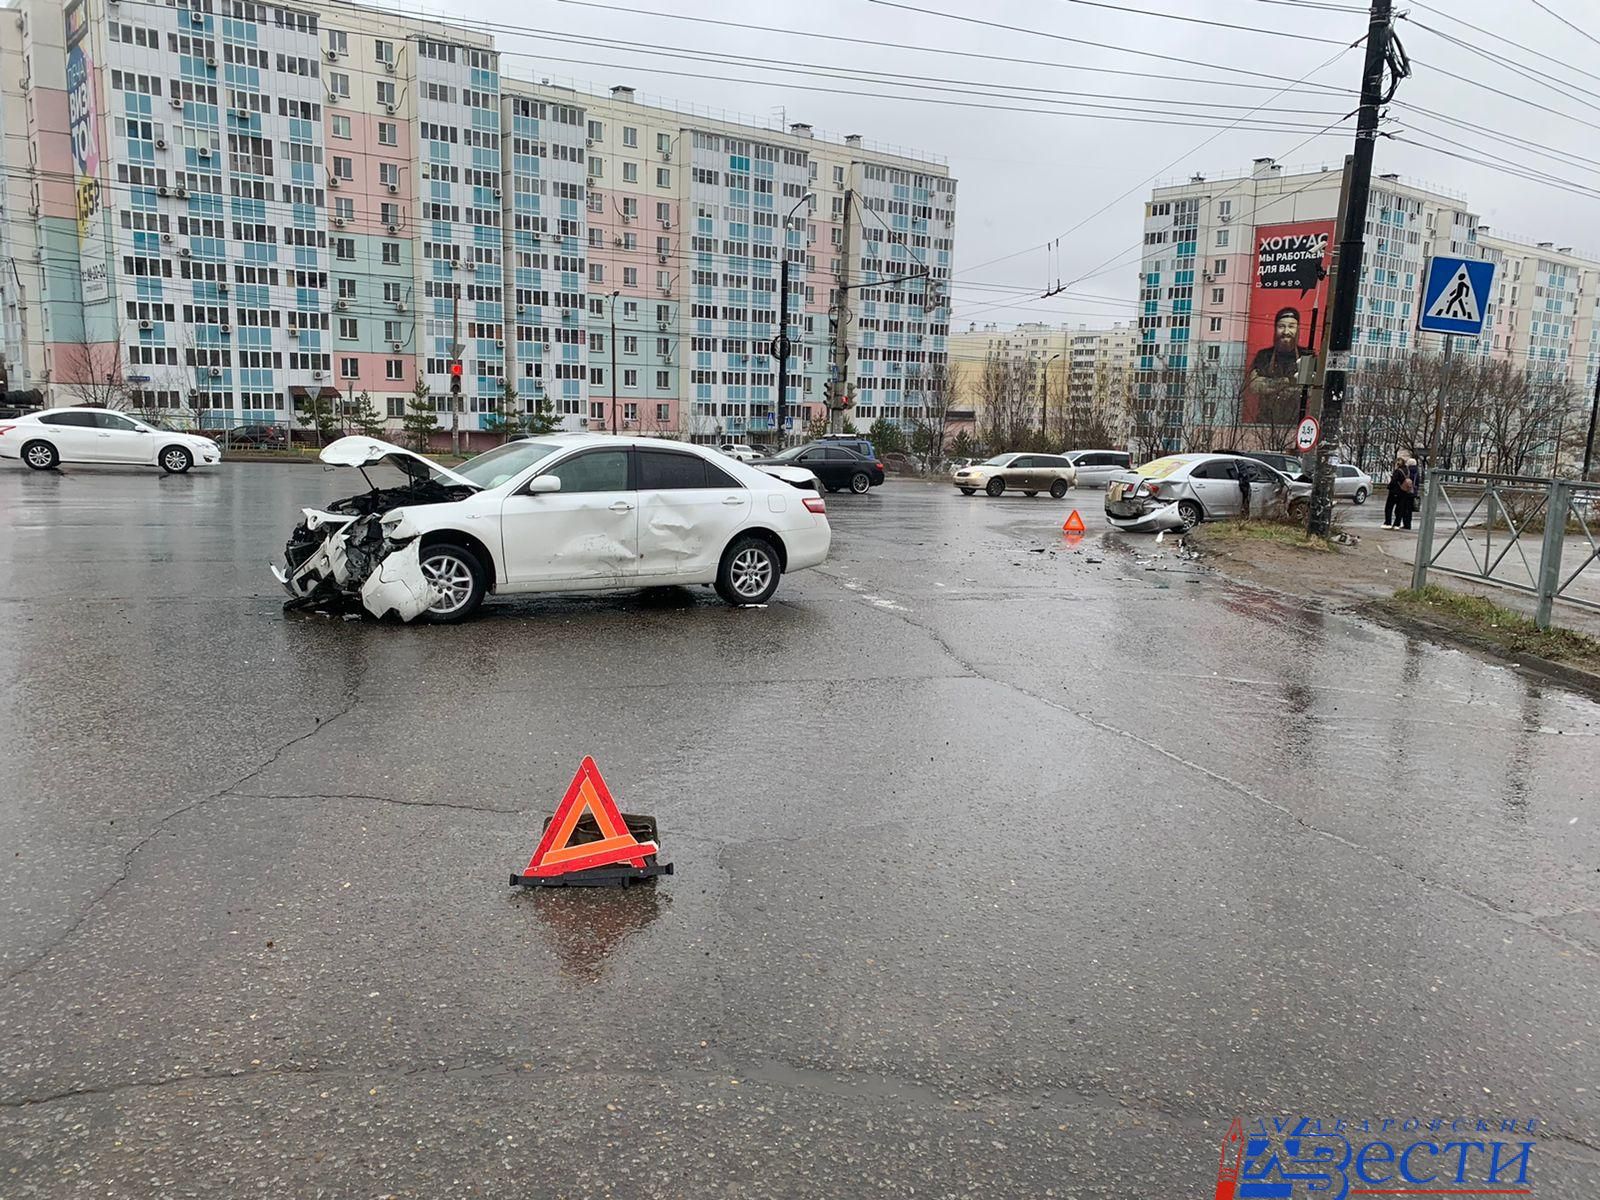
(543, 483)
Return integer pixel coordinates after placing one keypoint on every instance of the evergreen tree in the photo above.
(365, 416)
(421, 418)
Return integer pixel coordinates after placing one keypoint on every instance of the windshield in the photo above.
(999, 460)
(494, 467)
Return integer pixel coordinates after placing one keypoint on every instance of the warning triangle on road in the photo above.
(1458, 301)
(1073, 524)
(557, 854)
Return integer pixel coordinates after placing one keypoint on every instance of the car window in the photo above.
(1347, 472)
(1021, 461)
(1050, 460)
(1118, 460)
(1259, 472)
(81, 419)
(666, 469)
(840, 454)
(1219, 468)
(596, 471)
(113, 421)
(716, 477)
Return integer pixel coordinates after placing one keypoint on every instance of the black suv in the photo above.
(852, 441)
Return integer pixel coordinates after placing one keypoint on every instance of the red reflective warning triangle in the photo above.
(1073, 524)
(556, 855)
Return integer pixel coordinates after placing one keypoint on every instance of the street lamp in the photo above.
(780, 344)
(614, 296)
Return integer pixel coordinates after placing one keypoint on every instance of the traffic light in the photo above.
(455, 369)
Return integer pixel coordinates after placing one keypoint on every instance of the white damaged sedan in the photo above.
(567, 512)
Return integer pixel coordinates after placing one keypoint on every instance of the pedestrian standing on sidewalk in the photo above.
(1391, 502)
(1405, 492)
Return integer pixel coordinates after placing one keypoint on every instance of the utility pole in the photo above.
(1594, 410)
(455, 369)
(1044, 398)
(837, 319)
(1352, 242)
(781, 346)
(614, 296)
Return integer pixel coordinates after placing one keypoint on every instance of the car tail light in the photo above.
(1155, 489)
(815, 504)
(879, 465)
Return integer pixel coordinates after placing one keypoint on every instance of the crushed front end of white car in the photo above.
(359, 554)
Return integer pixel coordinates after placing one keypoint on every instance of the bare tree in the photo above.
(1003, 405)
(94, 373)
(931, 392)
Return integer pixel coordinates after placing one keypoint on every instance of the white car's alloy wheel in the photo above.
(452, 577)
(751, 572)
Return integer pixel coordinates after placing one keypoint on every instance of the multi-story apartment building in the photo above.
(231, 210)
(1089, 371)
(1202, 313)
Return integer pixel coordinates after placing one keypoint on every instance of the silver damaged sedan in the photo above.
(1181, 490)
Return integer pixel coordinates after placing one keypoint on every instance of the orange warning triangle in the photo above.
(587, 793)
(1073, 524)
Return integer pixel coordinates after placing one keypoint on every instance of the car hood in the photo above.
(358, 450)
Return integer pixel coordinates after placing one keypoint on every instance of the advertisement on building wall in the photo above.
(86, 155)
(1288, 297)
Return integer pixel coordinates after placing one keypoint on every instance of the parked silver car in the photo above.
(1029, 474)
(1181, 490)
(1351, 483)
(1096, 468)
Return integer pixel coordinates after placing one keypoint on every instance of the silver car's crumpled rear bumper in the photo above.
(1152, 519)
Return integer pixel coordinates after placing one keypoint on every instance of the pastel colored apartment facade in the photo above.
(1090, 370)
(237, 209)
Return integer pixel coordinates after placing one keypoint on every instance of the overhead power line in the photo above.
(1166, 16)
(1501, 39)
(1061, 37)
(876, 44)
(1575, 28)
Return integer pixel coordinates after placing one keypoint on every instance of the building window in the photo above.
(1216, 324)
(344, 208)
(597, 167)
(630, 136)
(630, 276)
(348, 367)
(664, 211)
(663, 177)
(630, 172)
(349, 329)
(347, 289)
(394, 368)
(1217, 295)
(391, 291)
(597, 131)
(341, 126)
(630, 310)
(597, 377)
(343, 167)
(339, 83)
(1222, 238)
(663, 143)
(838, 174)
(391, 253)
(344, 249)
(597, 272)
(630, 345)
(389, 174)
(1219, 268)
(386, 92)
(387, 133)
(338, 41)
(383, 51)
(1224, 208)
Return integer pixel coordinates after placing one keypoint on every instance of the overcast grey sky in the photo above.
(1028, 177)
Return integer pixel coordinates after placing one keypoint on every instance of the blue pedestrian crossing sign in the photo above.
(1455, 296)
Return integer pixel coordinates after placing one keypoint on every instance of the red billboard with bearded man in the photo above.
(1288, 295)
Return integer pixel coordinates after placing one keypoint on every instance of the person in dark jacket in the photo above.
(1401, 498)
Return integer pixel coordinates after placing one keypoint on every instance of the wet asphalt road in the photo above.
(1004, 870)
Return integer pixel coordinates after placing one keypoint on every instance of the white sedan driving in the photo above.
(46, 439)
(569, 512)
